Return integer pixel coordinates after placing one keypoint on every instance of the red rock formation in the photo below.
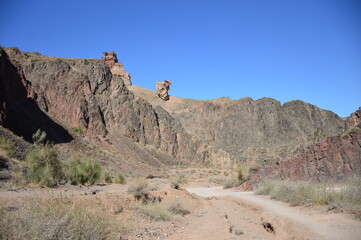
(333, 159)
(116, 67)
(162, 89)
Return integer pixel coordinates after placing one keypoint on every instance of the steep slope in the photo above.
(262, 130)
(83, 94)
(333, 159)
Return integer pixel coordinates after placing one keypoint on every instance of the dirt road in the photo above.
(292, 222)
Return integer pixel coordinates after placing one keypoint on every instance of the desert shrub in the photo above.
(156, 211)
(178, 181)
(350, 130)
(177, 208)
(120, 179)
(138, 187)
(347, 197)
(39, 137)
(77, 129)
(42, 166)
(84, 172)
(7, 146)
(231, 182)
(264, 188)
(107, 177)
(59, 217)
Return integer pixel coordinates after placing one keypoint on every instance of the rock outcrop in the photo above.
(335, 158)
(162, 89)
(116, 68)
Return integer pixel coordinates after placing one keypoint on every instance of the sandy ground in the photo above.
(292, 222)
(215, 213)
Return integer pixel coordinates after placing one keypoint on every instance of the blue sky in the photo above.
(301, 49)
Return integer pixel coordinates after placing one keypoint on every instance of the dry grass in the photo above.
(347, 197)
(156, 211)
(58, 217)
(226, 181)
(162, 212)
(178, 181)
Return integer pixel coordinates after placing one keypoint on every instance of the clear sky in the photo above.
(292, 49)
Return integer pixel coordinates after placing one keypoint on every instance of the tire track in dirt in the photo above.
(293, 222)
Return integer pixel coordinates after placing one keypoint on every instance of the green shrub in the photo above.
(39, 137)
(350, 130)
(59, 217)
(7, 146)
(120, 179)
(84, 172)
(77, 130)
(107, 177)
(43, 167)
(178, 181)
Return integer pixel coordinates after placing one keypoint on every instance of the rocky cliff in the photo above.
(84, 94)
(263, 130)
(333, 159)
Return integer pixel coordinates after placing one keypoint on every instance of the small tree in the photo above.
(43, 166)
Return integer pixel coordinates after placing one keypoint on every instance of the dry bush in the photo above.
(120, 179)
(177, 208)
(347, 197)
(231, 182)
(138, 187)
(155, 211)
(58, 217)
(178, 181)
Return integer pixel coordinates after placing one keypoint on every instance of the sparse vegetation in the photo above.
(156, 211)
(178, 181)
(120, 179)
(77, 129)
(6, 146)
(350, 130)
(231, 183)
(107, 177)
(39, 138)
(84, 172)
(177, 208)
(347, 197)
(138, 187)
(59, 217)
(42, 166)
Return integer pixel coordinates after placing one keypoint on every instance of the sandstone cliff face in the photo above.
(333, 159)
(83, 93)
